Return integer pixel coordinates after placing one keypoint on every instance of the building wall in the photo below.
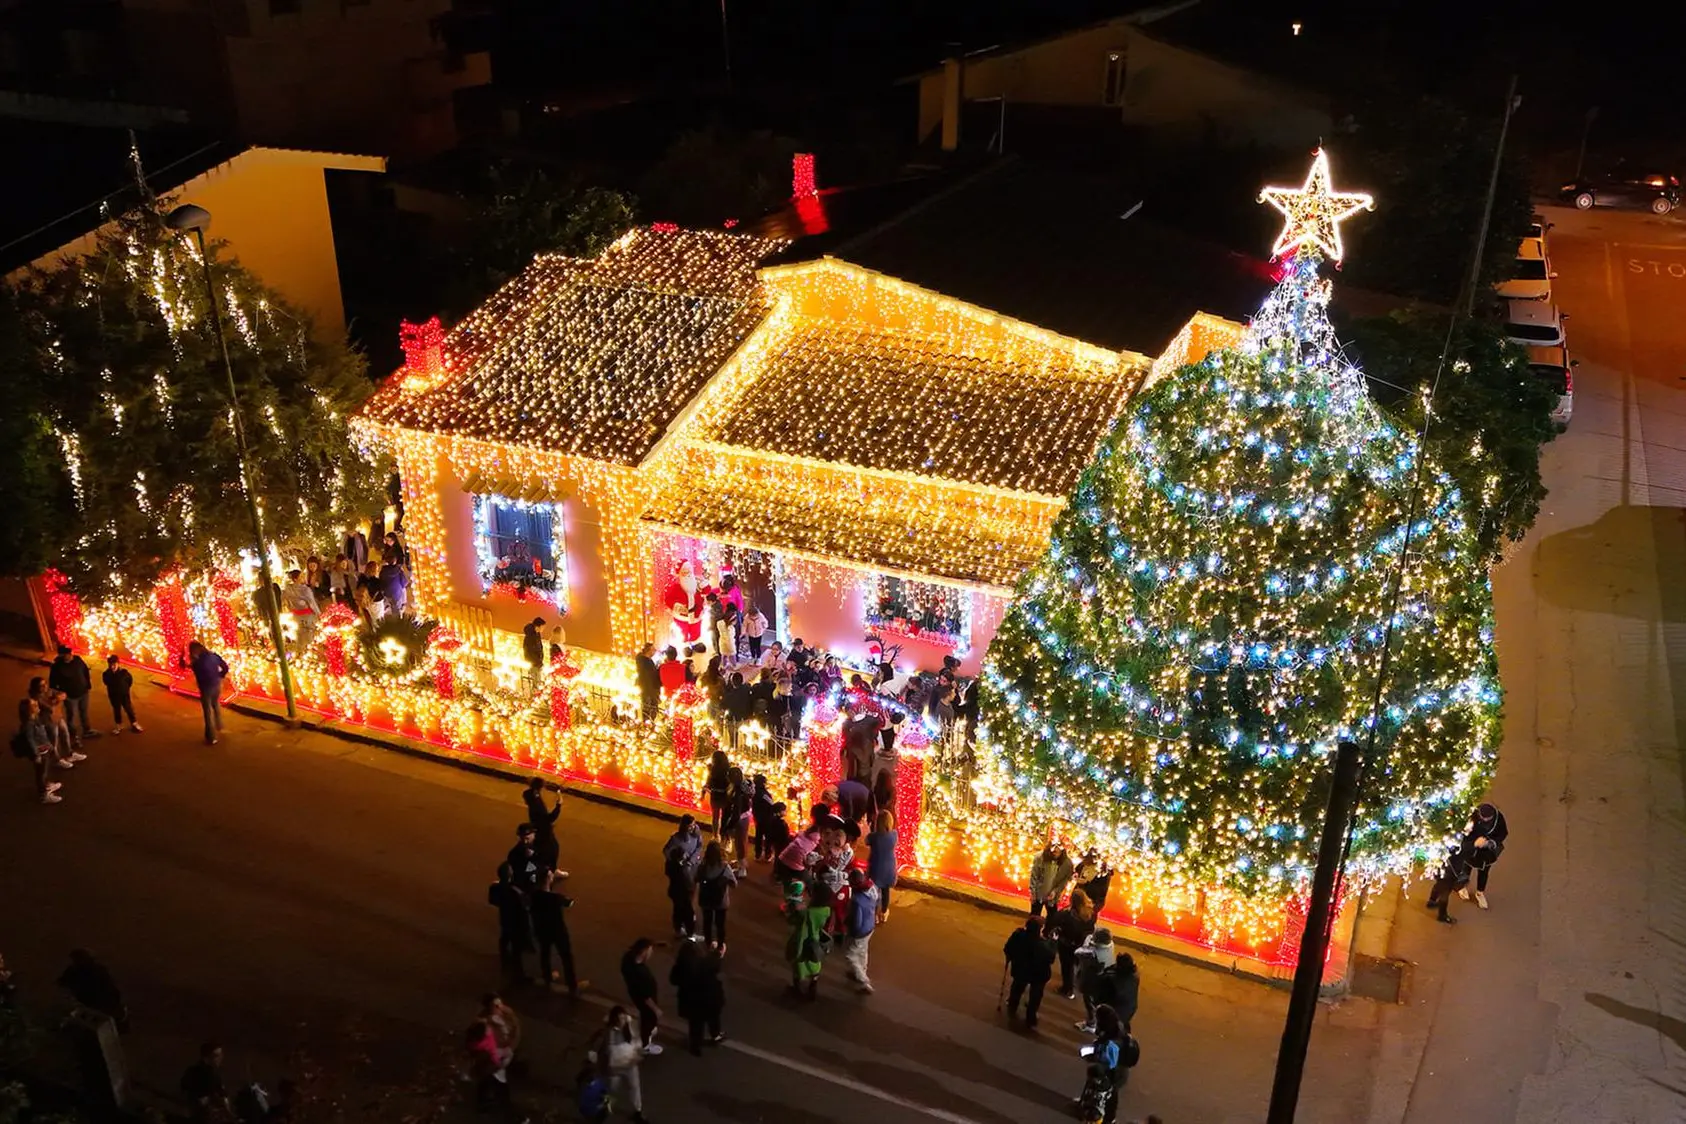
(273, 213)
(369, 76)
(1166, 87)
(588, 620)
(1169, 89)
(271, 208)
(351, 75)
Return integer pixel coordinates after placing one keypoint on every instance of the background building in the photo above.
(386, 76)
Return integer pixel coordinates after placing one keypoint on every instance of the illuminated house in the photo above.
(867, 456)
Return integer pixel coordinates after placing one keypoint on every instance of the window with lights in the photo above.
(940, 614)
(519, 549)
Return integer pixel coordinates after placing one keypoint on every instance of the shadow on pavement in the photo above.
(919, 1087)
(1610, 566)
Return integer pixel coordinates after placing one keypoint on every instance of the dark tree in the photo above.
(1491, 413)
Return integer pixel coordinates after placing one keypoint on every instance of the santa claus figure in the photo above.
(684, 600)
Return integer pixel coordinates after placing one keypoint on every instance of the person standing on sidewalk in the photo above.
(1097, 977)
(1049, 874)
(543, 820)
(806, 947)
(863, 918)
(1071, 927)
(119, 686)
(34, 741)
(700, 992)
(881, 858)
(641, 989)
(524, 859)
(617, 1052)
(680, 857)
(515, 933)
(209, 671)
(70, 677)
(715, 879)
(1484, 840)
(550, 928)
(1030, 963)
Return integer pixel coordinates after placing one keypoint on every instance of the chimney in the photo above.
(951, 104)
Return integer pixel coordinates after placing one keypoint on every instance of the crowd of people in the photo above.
(372, 582)
(55, 717)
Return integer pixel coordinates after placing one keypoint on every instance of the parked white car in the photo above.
(1554, 365)
(1533, 273)
(1534, 323)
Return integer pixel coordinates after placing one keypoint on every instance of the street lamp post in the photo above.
(190, 218)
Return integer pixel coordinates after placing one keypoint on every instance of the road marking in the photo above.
(815, 1071)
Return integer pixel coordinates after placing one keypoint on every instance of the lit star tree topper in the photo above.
(1312, 214)
(1210, 617)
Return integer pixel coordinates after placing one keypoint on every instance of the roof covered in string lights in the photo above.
(592, 357)
(860, 518)
(864, 370)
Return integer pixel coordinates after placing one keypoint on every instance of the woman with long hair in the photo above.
(719, 780)
(1072, 926)
(715, 879)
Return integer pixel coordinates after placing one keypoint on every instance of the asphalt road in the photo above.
(1565, 1002)
(288, 892)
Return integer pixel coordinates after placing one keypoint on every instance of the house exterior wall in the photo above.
(1167, 88)
(271, 208)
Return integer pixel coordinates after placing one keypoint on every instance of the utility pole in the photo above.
(1586, 130)
(1511, 102)
(1314, 944)
(725, 42)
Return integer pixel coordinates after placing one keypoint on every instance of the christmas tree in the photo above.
(123, 451)
(1211, 615)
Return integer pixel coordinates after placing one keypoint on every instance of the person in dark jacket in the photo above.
(681, 855)
(1030, 961)
(543, 820)
(395, 585)
(736, 705)
(525, 862)
(701, 992)
(1094, 878)
(550, 929)
(532, 651)
(209, 671)
(119, 686)
(1071, 926)
(515, 934)
(649, 683)
(91, 985)
(641, 989)
(715, 879)
(70, 676)
(1483, 840)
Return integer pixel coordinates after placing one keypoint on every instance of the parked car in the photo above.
(1537, 226)
(1532, 281)
(1533, 323)
(1652, 192)
(1554, 365)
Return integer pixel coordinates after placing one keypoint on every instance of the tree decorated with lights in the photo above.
(125, 460)
(1211, 615)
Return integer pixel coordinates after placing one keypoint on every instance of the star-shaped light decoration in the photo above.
(1314, 212)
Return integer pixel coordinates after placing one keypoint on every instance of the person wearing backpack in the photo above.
(33, 743)
(715, 879)
(1114, 1054)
